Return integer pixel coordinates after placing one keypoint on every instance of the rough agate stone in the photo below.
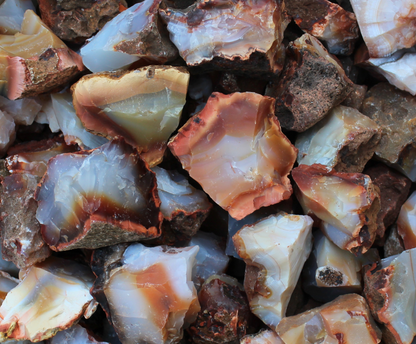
(390, 292)
(7, 132)
(406, 222)
(96, 198)
(52, 296)
(386, 25)
(147, 293)
(345, 320)
(274, 250)
(263, 337)
(242, 36)
(34, 60)
(312, 83)
(23, 111)
(344, 140)
(7, 283)
(346, 203)
(326, 21)
(11, 15)
(395, 112)
(74, 335)
(143, 106)
(235, 149)
(75, 21)
(136, 35)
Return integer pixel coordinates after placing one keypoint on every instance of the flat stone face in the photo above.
(312, 83)
(395, 112)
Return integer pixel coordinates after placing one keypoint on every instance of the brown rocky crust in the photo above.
(76, 20)
(356, 97)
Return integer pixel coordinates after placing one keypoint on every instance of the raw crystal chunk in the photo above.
(275, 250)
(312, 83)
(77, 20)
(7, 283)
(47, 115)
(7, 132)
(34, 60)
(225, 313)
(52, 296)
(211, 259)
(242, 36)
(263, 337)
(344, 140)
(96, 198)
(347, 204)
(236, 150)
(21, 239)
(395, 112)
(23, 111)
(74, 335)
(394, 189)
(144, 106)
(390, 292)
(147, 293)
(135, 35)
(183, 207)
(327, 21)
(406, 223)
(386, 25)
(345, 320)
(11, 15)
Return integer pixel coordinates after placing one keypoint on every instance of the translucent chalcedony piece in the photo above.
(11, 15)
(406, 223)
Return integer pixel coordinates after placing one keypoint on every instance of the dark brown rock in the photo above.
(312, 83)
(394, 189)
(356, 97)
(22, 241)
(393, 244)
(77, 20)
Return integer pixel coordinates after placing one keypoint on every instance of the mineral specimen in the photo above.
(344, 140)
(11, 15)
(143, 106)
(347, 204)
(263, 337)
(235, 149)
(74, 335)
(7, 132)
(23, 111)
(275, 250)
(7, 283)
(406, 223)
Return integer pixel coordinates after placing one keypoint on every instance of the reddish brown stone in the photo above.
(77, 20)
(356, 97)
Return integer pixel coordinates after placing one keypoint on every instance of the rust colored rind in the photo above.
(36, 75)
(22, 242)
(239, 116)
(310, 179)
(394, 189)
(312, 83)
(75, 21)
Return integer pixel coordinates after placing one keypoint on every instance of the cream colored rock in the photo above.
(406, 222)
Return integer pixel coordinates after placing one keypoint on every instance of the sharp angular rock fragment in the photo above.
(47, 115)
(7, 283)
(242, 36)
(75, 21)
(344, 140)
(395, 112)
(345, 320)
(21, 239)
(52, 296)
(34, 60)
(236, 150)
(23, 111)
(386, 25)
(390, 292)
(225, 313)
(406, 223)
(263, 337)
(96, 198)
(311, 84)
(275, 250)
(326, 21)
(394, 189)
(136, 35)
(7, 132)
(11, 15)
(143, 106)
(183, 207)
(74, 335)
(147, 292)
(211, 259)
(347, 204)
(32, 157)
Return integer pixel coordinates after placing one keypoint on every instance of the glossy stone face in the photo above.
(241, 179)
(386, 25)
(274, 250)
(228, 34)
(344, 140)
(11, 15)
(346, 203)
(143, 106)
(346, 320)
(151, 296)
(97, 198)
(406, 223)
(52, 296)
(397, 145)
(390, 291)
